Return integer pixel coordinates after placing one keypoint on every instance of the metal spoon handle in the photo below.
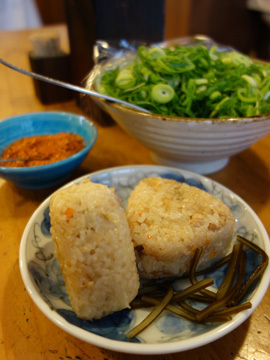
(69, 86)
(21, 159)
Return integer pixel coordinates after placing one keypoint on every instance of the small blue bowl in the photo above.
(43, 123)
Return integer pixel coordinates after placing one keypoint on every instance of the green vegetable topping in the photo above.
(125, 79)
(162, 93)
(192, 81)
(156, 52)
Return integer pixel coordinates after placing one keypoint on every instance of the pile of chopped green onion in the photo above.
(220, 304)
(192, 81)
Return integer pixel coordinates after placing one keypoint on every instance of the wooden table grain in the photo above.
(25, 333)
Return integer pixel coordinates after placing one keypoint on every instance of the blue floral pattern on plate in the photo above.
(44, 271)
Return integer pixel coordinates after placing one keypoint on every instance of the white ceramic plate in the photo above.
(169, 333)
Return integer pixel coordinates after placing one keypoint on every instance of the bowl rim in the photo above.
(178, 119)
(51, 166)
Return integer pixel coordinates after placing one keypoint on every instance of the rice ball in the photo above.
(168, 220)
(94, 249)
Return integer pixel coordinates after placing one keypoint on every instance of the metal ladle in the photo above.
(70, 86)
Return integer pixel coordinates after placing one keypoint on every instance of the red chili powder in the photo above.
(45, 149)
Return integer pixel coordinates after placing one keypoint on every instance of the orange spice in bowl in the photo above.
(42, 149)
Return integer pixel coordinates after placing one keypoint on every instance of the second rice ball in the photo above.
(169, 220)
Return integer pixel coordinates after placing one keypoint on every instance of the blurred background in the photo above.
(243, 24)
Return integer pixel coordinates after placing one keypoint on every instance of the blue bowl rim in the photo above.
(53, 165)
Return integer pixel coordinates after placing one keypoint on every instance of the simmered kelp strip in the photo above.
(221, 305)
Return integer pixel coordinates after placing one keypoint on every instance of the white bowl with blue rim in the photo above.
(44, 123)
(169, 333)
